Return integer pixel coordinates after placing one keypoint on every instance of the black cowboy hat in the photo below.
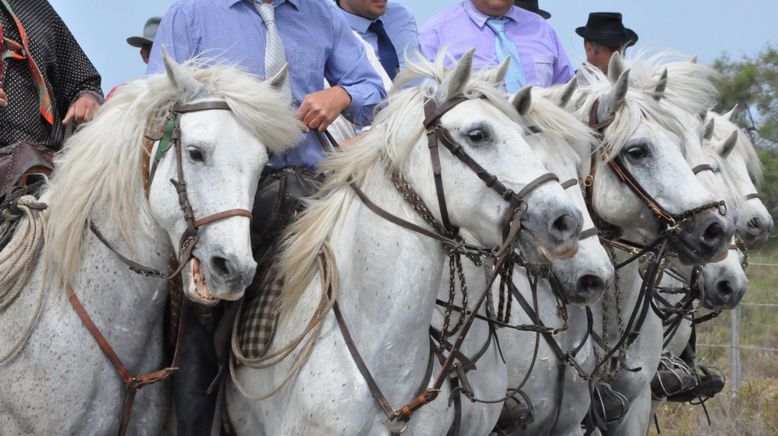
(606, 29)
(532, 6)
(149, 32)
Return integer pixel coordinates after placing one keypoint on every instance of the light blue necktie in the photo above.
(504, 47)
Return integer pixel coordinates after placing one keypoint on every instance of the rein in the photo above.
(455, 246)
(171, 137)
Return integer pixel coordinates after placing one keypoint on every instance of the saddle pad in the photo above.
(260, 315)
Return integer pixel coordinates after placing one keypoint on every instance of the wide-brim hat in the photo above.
(606, 29)
(532, 6)
(149, 32)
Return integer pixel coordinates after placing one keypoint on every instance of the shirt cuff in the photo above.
(360, 111)
(96, 94)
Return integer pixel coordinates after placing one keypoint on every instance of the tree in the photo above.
(752, 84)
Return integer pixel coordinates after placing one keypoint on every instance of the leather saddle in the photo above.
(23, 164)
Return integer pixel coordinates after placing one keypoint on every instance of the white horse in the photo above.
(754, 223)
(61, 382)
(564, 144)
(389, 276)
(647, 143)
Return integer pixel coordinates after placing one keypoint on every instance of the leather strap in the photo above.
(222, 215)
(131, 383)
(567, 184)
(752, 196)
(207, 105)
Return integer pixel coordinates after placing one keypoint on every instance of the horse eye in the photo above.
(196, 155)
(477, 135)
(637, 152)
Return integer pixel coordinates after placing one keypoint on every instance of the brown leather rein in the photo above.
(437, 134)
(188, 240)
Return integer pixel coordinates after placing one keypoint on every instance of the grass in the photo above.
(754, 409)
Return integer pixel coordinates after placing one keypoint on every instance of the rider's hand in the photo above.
(319, 109)
(3, 98)
(83, 109)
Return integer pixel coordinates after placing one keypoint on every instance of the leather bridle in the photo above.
(671, 221)
(171, 137)
(437, 134)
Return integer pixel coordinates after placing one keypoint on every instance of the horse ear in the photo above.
(499, 76)
(278, 81)
(619, 93)
(728, 145)
(661, 86)
(693, 59)
(707, 132)
(458, 79)
(728, 116)
(567, 92)
(615, 67)
(522, 100)
(180, 77)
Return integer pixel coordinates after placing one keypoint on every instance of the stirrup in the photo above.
(673, 377)
(711, 381)
(516, 414)
(608, 406)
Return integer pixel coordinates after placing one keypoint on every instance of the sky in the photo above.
(706, 28)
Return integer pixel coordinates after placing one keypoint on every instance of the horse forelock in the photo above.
(396, 129)
(639, 108)
(99, 168)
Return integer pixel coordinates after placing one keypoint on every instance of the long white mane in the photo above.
(396, 129)
(723, 127)
(638, 108)
(100, 167)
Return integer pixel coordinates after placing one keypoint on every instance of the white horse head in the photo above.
(564, 145)
(754, 223)
(648, 143)
(223, 153)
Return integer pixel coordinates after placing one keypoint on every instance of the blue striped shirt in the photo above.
(318, 43)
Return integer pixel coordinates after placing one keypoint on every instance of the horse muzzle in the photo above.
(703, 239)
(221, 277)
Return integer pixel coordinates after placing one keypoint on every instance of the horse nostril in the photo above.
(713, 232)
(591, 284)
(723, 287)
(755, 224)
(221, 266)
(563, 224)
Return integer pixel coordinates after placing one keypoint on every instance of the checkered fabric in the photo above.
(260, 316)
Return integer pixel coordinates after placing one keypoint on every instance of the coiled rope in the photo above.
(17, 260)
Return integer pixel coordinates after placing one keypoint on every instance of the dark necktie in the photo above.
(386, 51)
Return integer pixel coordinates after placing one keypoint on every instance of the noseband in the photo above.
(171, 137)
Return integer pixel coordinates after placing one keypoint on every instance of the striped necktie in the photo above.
(505, 47)
(275, 57)
(13, 50)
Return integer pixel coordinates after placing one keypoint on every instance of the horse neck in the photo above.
(126, 307)
(388, 275)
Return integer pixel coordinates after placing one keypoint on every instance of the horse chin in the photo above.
(195, 286)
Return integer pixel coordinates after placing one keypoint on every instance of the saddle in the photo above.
(22, 165)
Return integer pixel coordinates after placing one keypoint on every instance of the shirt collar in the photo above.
(360, 24)
(294, 3)
(479, 18)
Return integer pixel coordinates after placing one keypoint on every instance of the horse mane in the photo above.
(639, 107)
(722, 128)
(100, 166)
(556, 121)
(690, 85)
(396, 129)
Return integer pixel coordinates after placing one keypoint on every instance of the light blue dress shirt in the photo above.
(318, 43)
(400, 25)
(462, 27)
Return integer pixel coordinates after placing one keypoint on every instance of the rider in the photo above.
(145, 42)
(47, 82)
(604, 34)
(498, 29)
(315, 40)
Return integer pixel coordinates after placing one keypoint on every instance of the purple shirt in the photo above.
(462, 27)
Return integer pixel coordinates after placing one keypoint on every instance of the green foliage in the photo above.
(752, 84)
